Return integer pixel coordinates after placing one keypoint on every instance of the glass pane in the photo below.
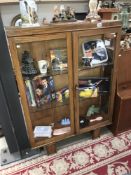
(44, 68)
(95, 65)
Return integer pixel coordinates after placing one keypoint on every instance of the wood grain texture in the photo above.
(61, 27)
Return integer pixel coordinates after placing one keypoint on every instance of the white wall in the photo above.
(44, 10)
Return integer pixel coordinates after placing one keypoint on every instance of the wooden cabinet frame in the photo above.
(95, 32)
(16, 65)
(71, 33)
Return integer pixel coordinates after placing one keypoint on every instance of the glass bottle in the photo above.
(124, 17)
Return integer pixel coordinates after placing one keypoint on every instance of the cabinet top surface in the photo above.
(59, 27)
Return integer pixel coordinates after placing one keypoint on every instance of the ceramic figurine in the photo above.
(63, 14)
(122, 44)
(92, 110)
(93, 6)
(70, 13)
(127, 42)
(28, 10)
(93, 16)
(56, 14)
(99, 5)
(56, 11)
(65, 121)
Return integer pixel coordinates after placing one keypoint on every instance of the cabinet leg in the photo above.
(51, 149)
(96, 133)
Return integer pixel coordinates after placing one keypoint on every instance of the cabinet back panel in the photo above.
(51, 115)
(41, 50)
(90, 73)
(61, 81)
(85, 104)
(124, 115)
(124, 67)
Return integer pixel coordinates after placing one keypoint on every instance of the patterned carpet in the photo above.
(106, 155)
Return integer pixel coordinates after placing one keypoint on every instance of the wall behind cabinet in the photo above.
(44, 10)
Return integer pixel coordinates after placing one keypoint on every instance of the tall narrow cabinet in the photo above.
(78, 63)
(122, 119)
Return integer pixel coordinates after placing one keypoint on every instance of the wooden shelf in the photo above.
(81, 68)
(96, 125)
(49, 106)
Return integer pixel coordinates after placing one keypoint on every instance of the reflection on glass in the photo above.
(45, 77)
(94, 52)
(59, 59)
(94, 78)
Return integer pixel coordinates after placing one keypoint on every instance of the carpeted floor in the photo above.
(106, 155)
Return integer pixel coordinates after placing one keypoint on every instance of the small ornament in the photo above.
(70, 13)
(56, 14)
(92, 110)
(126, 43)
(99, 5)
(63, 14)
(83, 122)
(65, 121)
(56, 11)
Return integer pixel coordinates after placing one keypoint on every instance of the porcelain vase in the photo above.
(28, 10)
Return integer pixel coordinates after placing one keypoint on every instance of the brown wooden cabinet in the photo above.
(122, 114)
(107, 13)
(81, 87)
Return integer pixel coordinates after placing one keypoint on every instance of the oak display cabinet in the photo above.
(79, 64)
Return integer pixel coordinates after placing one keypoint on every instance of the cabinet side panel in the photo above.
(11, 93)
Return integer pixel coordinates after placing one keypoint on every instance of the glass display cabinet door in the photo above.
(94, 60)
(43, 66)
